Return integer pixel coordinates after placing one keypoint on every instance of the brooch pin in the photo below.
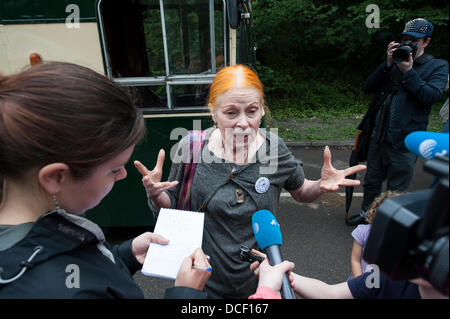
(262, 185)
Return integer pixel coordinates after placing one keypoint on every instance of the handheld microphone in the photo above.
(268, 236)
(427, 144)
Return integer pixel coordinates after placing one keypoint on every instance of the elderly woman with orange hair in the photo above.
(242, 169)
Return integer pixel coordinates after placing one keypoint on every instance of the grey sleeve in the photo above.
(297, 178)
(293, 167)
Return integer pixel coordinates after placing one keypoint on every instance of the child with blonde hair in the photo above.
(361, 234)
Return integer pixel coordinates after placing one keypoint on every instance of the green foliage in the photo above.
(306, 92)
(315, 55)
(304, 31)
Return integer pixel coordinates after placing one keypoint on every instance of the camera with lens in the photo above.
(403, 50)
(410, 233)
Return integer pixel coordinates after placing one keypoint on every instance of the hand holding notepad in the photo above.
(184, 230)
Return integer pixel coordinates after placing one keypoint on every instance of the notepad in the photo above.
(184, 230)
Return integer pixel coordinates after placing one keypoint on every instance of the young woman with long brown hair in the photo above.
(66, 133)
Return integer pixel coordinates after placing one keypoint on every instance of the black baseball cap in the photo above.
(418, 28)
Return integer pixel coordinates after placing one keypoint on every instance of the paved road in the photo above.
(315, 237)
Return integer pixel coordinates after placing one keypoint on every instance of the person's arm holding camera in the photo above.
(404, 66)
(374, 80)
(427, 91)
(390, 50)
(426, 87)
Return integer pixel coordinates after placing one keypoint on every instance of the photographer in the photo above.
(405, 87)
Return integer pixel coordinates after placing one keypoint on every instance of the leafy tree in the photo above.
(304, 43)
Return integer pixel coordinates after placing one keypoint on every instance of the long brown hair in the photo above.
(63, 112)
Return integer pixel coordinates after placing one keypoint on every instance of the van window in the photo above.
(167, 51)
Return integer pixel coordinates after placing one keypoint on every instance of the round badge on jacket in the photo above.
(262, 185)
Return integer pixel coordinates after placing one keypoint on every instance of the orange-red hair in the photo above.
(239, 76)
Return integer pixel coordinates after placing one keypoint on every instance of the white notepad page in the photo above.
(184, 230)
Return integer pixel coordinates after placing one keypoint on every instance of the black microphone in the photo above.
(268, 236)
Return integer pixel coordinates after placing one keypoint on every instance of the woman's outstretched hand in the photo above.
(152, 179)
(332, 179)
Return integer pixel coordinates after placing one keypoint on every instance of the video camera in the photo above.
(409, 235)
(403, 50)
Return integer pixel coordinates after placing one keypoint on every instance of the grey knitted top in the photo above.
(227, 222)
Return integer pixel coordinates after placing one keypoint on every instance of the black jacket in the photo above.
(415, 92)
(65, 256)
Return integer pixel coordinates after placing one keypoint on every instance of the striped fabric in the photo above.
(196, 142)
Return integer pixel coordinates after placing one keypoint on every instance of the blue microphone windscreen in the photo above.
(427, 144)
(266, 229)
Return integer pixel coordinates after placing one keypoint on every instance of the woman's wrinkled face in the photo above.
(238, 115)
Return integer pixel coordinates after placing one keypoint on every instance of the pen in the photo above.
(202, 268)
